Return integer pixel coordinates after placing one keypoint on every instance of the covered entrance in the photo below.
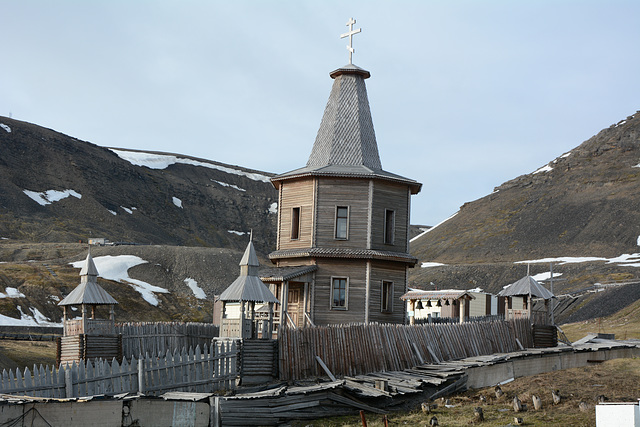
(293, 286)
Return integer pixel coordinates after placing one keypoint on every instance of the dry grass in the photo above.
(25, 354)
(616, 379)
(625, 324)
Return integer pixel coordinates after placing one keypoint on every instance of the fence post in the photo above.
(141, 376)
(68, 382)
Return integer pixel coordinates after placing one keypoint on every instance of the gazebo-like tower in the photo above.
(527, 288)
(238, 314)
(87, 336)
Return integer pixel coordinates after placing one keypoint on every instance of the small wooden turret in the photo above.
(88, 337)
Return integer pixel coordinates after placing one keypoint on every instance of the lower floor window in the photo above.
(339, 292)
(387, 297)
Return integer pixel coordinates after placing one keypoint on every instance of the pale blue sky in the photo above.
(464, 94)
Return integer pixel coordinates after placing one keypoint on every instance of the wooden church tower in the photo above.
(343, 222)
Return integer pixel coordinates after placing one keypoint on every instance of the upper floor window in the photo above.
(342, 222)
(295, 223)
(386, 297)
(339, 292)
(389, 225)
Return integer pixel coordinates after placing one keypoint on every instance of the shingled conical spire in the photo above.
(88, 291)
(346, 136)
(346, 145)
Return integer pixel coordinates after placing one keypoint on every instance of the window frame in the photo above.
(295, 225)
(346, 293)
(389, 296)
(389, 229)
(346, 219)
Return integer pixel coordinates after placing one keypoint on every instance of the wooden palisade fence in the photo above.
(360, 349)
(139, 338)
(206, 370)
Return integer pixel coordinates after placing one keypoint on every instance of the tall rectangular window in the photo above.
(389, 224)
(339, 292)
(387, 297)
(342, 222)
(295, 223)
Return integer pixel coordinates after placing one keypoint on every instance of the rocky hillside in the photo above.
(585, 203)
(55, 188)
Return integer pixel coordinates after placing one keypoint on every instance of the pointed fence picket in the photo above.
(203, 369)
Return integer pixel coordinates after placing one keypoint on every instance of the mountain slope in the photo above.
(584, 203)
(55, 188)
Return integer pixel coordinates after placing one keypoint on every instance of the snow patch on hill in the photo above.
(163, 161)
(116, 268)
(47, 197)
(198, 292)
(5, 127)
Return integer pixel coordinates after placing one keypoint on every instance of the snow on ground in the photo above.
(162, 161)
(637, 241)
(5, 127)
(545, 168)
(430, 264)
(6, 238)
(116, 268)
(239, 233)
(112, 212)
(432, 228)
(198, 292)
(47, 197)
(128, 210)
(35, 319)
(624, 260)
(224, 184)
(11, 293)
(545, 276)
(177, 202)
(274, 210)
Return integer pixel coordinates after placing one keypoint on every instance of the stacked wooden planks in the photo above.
(88, 347)
(358, 348)
(258, 361)
(276, 406)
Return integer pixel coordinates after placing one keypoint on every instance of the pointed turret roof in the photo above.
(88, 291)
(346, 143)
(526, 286)
(248, 286)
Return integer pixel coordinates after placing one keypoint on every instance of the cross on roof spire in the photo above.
(350, 35)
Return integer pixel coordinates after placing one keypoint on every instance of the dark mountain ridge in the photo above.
(585, 203)
(182, 204)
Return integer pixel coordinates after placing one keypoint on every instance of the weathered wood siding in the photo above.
(387, 271)
(353, 193)
(387, 195)
(478, 306)
(296, 193)
(356, 271)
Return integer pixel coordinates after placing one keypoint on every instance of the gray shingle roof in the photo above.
(346, 144)
(525, 286)
(343, 253)
(248, 286)
(88, 291)
(281, 274)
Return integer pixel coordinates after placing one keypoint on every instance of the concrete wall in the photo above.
(107, 413)
(487, 376)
